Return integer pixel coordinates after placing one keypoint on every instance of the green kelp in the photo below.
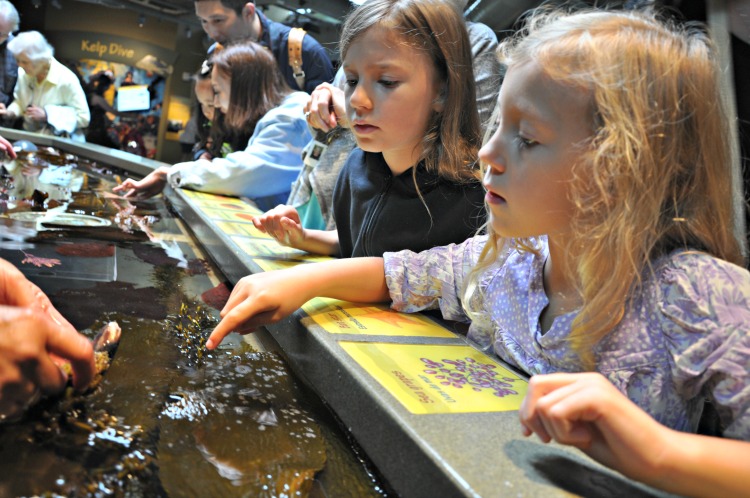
(191, 327)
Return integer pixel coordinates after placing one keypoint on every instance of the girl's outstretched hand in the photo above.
(150, 186)
(283, 224)
(258, 300)
(268, 297)
(586, 411)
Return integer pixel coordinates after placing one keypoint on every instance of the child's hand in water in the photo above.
(148, 187)
(283, 224)
(268, 297)
(258, 300)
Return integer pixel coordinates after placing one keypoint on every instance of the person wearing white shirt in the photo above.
(48, 95)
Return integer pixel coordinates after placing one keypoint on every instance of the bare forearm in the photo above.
(353, 279)
(320, 242)
(704, 466)
(264, 298)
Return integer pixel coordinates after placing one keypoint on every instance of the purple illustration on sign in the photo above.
(468, 372)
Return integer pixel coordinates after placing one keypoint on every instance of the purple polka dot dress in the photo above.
(684, 337)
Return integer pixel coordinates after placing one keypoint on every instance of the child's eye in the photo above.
(525, 143)
(388, 83)
(351, 82)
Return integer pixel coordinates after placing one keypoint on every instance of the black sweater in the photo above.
(376, 212)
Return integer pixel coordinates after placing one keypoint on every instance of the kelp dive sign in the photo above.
(77, 45)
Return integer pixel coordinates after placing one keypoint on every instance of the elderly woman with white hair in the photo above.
(48, 95)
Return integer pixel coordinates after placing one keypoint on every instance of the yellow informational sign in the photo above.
(233, 217)
(221, 213)
(269, 248)
(206, 199)
(342, 317)
(244, 229)
(429, 379)
(274, 264)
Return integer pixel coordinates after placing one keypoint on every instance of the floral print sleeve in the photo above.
(432, 278)
(706, 302)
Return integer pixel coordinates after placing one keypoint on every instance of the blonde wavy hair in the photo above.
(656, 176)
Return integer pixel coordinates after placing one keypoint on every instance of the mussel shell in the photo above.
(108, 338)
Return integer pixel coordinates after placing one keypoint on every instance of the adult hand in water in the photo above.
(7, 147)
(34, 340)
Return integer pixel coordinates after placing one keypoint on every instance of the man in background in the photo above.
(229, 21)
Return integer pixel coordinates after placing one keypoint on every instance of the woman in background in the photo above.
(48, 95)
(252, 95)
(98, 131)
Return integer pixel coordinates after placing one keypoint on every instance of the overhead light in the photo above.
(188, 32)
(36, 3)
(141, 20)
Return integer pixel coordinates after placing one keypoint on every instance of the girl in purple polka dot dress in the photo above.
(609, 244)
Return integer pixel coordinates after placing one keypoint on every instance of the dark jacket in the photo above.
(315, 61)
(8, 73)
(377, 212)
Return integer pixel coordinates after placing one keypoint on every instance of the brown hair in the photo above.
(435, 28)
(256, 84)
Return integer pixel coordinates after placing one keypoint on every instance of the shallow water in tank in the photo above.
(168, 418)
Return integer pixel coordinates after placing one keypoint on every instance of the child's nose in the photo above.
(359, 98)
(491, 154)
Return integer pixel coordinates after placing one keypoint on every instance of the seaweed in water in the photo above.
(190, 326)
(76, 445)
(154, 255)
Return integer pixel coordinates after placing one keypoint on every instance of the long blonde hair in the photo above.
(656, 177)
